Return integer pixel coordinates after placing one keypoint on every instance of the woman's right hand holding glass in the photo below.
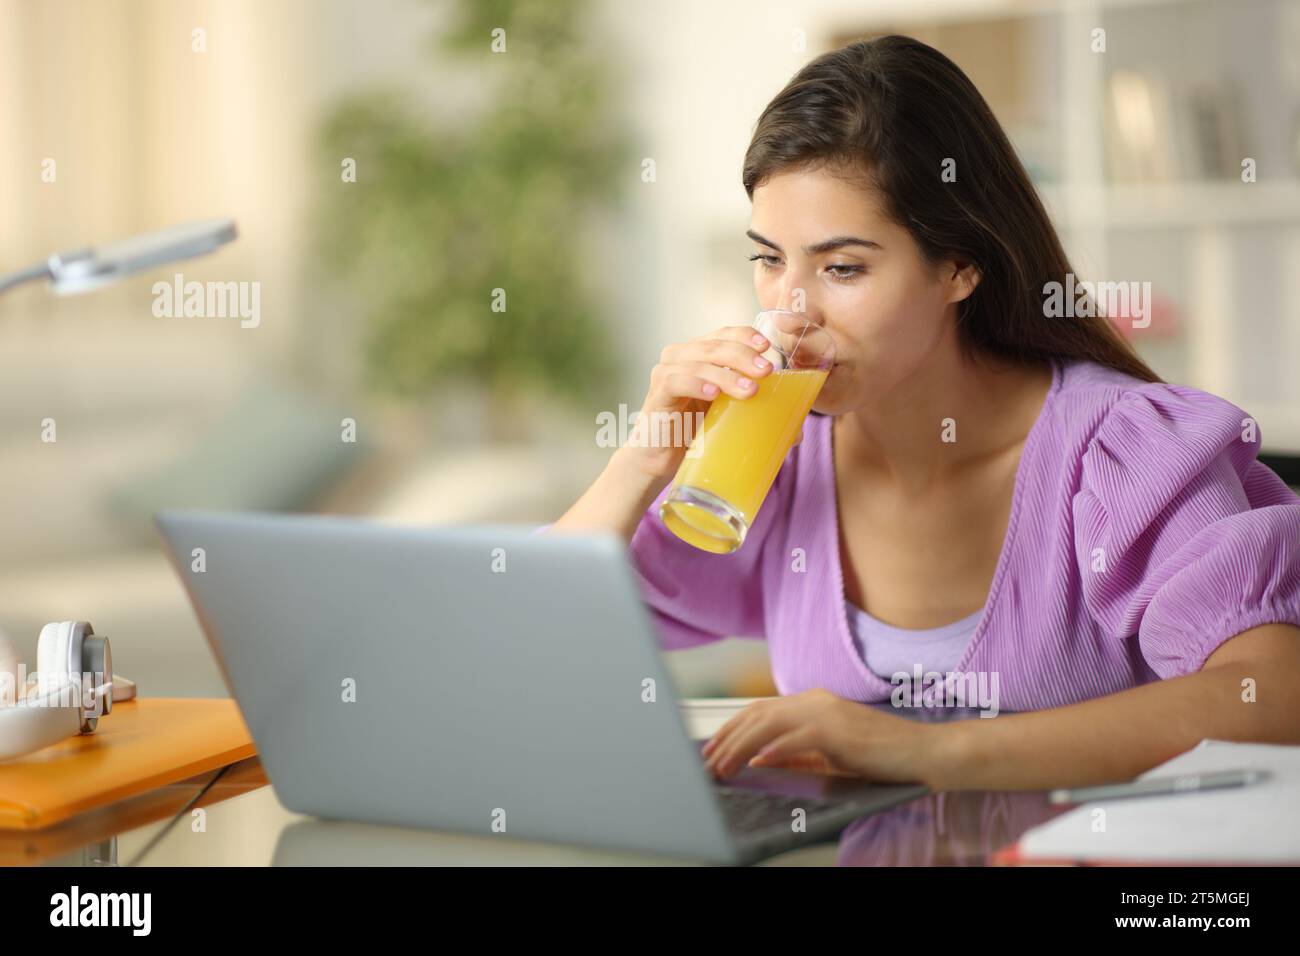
(689, 376)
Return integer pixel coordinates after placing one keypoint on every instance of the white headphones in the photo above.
(72, 688)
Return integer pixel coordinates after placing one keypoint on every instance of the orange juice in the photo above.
(735, 457)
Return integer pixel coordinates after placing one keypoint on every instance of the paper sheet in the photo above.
(1258, 823)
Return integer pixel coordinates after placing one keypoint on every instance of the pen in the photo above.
(1157, 786)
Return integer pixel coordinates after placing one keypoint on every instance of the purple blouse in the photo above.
(1143, 534)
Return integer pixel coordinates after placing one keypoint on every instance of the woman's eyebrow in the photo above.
(826, 245)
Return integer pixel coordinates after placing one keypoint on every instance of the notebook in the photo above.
(144, 743)
(1255, 824)
(704, 716)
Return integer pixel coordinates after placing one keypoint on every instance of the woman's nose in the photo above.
(794, 298)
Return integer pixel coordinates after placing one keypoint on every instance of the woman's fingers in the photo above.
(809, 715)
(692, 380)
(672, 384)
(743, 357)
(689, 374)
(789, 752)
(719, 741)
(723, 732)
(737, 333)
(727, 361)
(750, 736)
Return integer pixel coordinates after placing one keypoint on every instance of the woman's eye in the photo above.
(843, 272)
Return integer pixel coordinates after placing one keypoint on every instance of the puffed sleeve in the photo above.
(1183, 538)
(695, 596)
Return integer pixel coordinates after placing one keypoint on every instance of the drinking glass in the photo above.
(733, 460)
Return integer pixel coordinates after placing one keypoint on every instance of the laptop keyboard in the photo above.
(752, 811)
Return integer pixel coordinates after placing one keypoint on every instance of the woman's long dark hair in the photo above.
(894, 110)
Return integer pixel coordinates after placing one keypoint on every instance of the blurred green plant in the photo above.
(442, 213)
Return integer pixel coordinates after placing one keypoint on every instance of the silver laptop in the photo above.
(481, 680)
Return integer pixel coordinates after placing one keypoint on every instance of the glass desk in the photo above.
(231, 817)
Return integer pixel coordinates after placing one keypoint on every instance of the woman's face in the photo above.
(862, 278)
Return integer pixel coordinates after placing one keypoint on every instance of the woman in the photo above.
(982, 489)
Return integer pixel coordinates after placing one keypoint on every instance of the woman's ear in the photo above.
(962, 280)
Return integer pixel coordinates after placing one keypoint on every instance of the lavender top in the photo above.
(889, 650)
(1143, 534)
